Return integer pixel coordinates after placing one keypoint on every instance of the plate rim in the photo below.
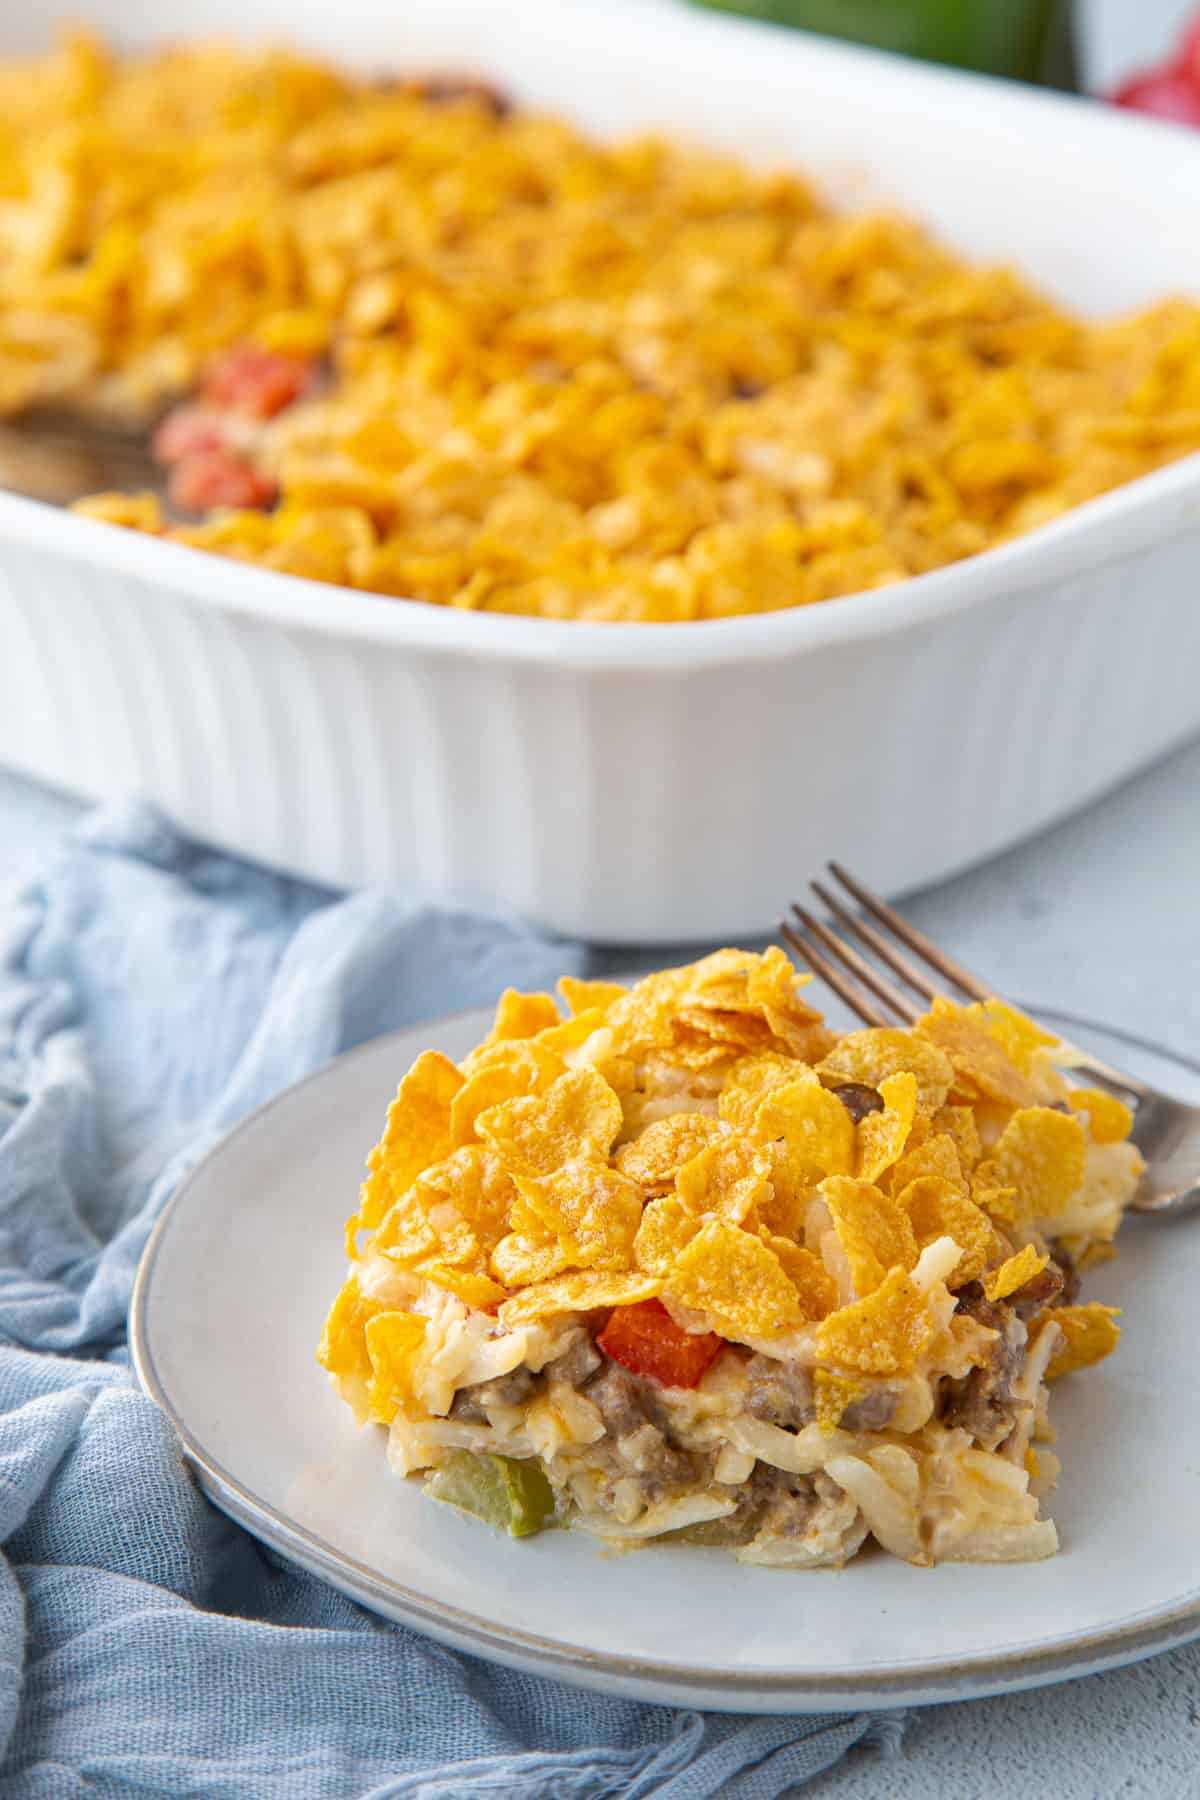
(875, 1688)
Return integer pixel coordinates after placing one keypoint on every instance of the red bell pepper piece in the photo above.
(645, 1339)
(258, 383)
(218, 477)
(185, 431)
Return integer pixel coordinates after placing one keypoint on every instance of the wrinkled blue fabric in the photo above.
(151, 992)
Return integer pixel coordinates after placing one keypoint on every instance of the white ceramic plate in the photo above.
(229, 1304)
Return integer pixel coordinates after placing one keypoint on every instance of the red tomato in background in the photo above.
(1165, 96)
(1172, 91)
(1187, 57)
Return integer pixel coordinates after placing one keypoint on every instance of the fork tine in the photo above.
(875, 940)
(858, 965)
(908, 934)
(856, 999)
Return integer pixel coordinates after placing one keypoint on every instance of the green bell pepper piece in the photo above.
(504, 1492)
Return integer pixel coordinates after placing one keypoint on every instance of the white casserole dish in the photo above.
(654, 783)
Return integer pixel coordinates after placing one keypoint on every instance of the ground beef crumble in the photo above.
(638, 1427)
(982, 1401)
(779, 1393)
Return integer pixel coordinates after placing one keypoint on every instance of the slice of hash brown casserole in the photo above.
(686, 1261)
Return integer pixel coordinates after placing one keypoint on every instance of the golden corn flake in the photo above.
(884, 1334)
(393, 1339)
(880, 1137)
(650, 1014)
(981, 1068)
(733, 1277)
(655, 1157)
(708, 1038)
(1090, 1332)
(522, 1016)
(1041, 1153)
(343, 1346)
(813, 1128)
(468, 1285)
(579, 1114)
(455, 1211)
(751, 1003)
(748, 1083)
(1110, 1121)
(593, 1211)
(567, 1039)
(517, 1067)
(783, 1209)
(937, 1156)
(999, 1283)
(587, 996)
(728, 1179)
(958, 1124)
(816, 1290)
(938, 1208)
(873, 1229)
(721, 980)
(1001, 1203)
(921, 1127)
(833, 1393)
(580, 1292)
(586, 1041)
(773, 988)
(774, 981)
(702, 1052)
(417, 1134)
(645, 1015)
(406, 1234)
(1017, 1035)
(666, 1229)
(523, 1218)
(871, 1056)
(523, 1258)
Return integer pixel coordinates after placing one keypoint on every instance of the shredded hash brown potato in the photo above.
(686, 1260)
(519, 371)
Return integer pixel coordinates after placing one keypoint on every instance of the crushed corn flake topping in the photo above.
(884, 1333)
(1014, 1273)
(1090, 1333)
(752, 1199)
(832, 1394)
(392, 1340)
(1041, 1153)
(1110, 1119)
(937, 1208)
(566, 379)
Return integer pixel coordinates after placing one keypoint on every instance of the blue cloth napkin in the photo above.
(150, 993)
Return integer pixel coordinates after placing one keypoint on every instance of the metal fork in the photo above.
(60, 458)
(1165, 1130)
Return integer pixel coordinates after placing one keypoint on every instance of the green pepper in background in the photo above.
(1027, 40)
(511, 1495)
